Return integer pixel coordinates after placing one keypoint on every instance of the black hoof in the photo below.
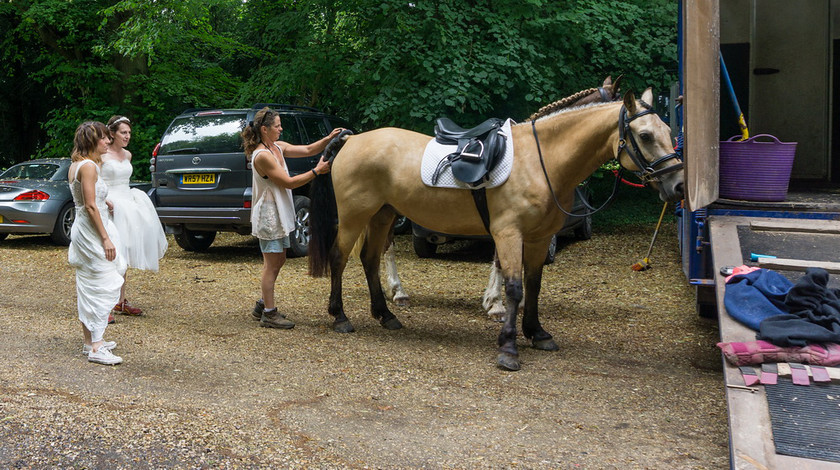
(343, 327)
(508, 361)
(546, 345)
(392, 324)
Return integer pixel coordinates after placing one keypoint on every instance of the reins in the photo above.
(590, 210)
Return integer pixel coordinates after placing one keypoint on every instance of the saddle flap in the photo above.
(478, 158)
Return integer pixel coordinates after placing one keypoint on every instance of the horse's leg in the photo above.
(534, 258)
(371, 256)
(493, 300)
(509, 249)
(347, 236)
(395, 288)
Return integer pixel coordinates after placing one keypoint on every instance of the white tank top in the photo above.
(273, 207)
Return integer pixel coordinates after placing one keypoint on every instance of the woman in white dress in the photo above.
(144, 242)
(94, 243)
(273, 209)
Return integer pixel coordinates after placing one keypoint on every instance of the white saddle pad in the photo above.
(435, 152)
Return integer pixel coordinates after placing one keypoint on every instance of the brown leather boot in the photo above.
(274, 319)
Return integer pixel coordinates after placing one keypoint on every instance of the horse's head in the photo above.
(645, 147)
(609, 90)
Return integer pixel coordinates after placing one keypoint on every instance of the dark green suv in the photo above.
(201, 181)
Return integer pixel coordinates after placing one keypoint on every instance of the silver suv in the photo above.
(201, 182)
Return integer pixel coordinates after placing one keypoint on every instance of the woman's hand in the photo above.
(110, 249)
(110, 206)
(322, 167)
(334, 133)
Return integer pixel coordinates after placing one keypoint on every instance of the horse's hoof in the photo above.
(497, 314)
(546, 345)
(497, 317)
(392, 324)
(401, 300)
(343, 327)
(508, 361)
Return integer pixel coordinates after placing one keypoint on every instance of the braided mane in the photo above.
(565, 102)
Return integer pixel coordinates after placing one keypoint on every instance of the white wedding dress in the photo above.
(144, 242)
(98, 281)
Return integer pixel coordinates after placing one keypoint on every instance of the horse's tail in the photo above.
(323, 225)
(323, 214)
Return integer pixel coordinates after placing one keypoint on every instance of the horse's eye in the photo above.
(645, 137)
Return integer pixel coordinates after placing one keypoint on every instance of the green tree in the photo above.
(391, 62)
(93, 59)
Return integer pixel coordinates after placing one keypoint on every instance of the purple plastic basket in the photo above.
(755, 171)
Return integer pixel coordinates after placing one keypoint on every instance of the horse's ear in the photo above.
(647, 96)
(607, 81)
(630, 102)
(616, 85)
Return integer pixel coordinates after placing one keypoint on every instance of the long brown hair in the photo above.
(87, 139)
(251, 134)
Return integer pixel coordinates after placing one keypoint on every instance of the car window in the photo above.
(315, 128)
(218, 133)
(34, 171)
(291, 131)
(338, 122)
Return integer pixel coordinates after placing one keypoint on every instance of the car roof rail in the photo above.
(193, 110)
(285, 106)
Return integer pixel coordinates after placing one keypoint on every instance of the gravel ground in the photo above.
(637, 382)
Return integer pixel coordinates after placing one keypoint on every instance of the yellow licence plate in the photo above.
(199, 178)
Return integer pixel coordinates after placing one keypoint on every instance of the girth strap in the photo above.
(480, 199)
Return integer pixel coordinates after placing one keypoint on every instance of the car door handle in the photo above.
(765, 71)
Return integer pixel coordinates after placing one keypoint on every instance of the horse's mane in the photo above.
(560, 104)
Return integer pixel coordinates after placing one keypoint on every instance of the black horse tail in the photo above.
(323, 214)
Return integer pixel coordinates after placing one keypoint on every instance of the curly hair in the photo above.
(87, 139)
(251, 134)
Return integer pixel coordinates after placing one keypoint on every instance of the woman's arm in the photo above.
(267, 165)
(87, 175)
(298, 151)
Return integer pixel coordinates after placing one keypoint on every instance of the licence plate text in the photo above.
(199, 178)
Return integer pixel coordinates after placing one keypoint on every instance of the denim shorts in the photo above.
(275, 246)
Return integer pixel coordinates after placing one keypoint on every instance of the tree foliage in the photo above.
(375, 62)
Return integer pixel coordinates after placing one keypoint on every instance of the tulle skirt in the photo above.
(144, 242)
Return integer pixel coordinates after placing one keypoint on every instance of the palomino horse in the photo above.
(493, 298)
(376, 174)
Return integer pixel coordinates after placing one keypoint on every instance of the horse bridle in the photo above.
(648, 171)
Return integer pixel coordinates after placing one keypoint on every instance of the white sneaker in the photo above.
(107, 345)
(104, 356)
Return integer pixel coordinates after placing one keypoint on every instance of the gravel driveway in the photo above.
(637, 382)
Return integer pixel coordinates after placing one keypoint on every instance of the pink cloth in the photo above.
(759, 352)
(743, 269)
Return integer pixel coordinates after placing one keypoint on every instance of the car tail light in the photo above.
(153, 160)
(247, 205)
(33, 195)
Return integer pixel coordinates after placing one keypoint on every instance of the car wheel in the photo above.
(552, 250)
(61, 232)
(300, 239)
(402, 225)
(423, 248)
(193, 240)
(584, 231)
